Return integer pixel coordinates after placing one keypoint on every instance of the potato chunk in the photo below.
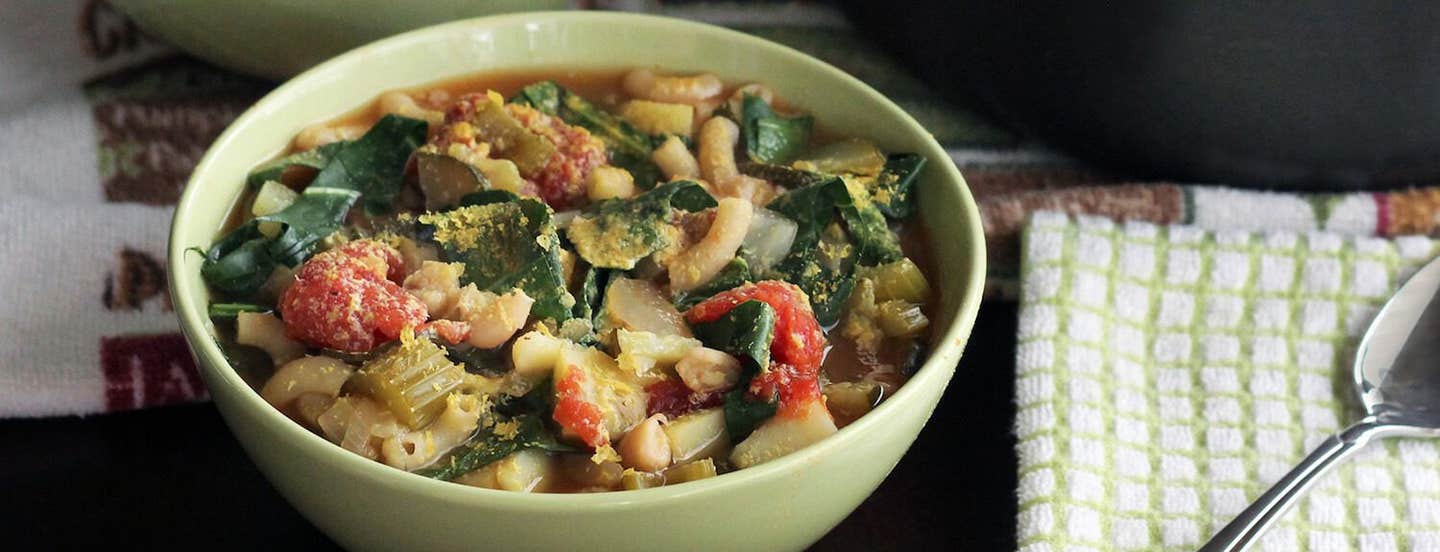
(659, 117)
(783, 435)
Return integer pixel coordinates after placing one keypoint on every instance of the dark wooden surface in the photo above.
(174, 477)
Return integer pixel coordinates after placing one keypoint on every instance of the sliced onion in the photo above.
(768, 240)
(851, 155)
(639, 305)
(562, 219)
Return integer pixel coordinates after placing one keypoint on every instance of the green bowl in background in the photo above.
(785, 504)
(279, 38)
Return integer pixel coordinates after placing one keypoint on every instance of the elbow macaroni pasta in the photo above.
(675, 160)
(717, 149)
(319, 375)
(693, 89)
(409, 450)
(705, 259)
(267, 332)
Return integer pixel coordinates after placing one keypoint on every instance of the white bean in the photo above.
(503, 316)
(646, 447)
(705, 370)
(436, 284)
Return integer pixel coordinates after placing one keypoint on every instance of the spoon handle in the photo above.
(1251, 523)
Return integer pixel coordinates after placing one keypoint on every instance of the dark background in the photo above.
(171, 477)
(1314, 95)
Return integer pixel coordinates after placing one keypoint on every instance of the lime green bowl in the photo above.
(785, 504)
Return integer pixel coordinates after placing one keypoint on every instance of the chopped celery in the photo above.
(411, 380)
(445, 179)
(849, 400)
(859, 324)
(898, 280)
(692, 471)
(901, 319)
(231, 310)
(511, 140)
(631, 480)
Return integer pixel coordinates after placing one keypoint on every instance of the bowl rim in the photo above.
(947, 348)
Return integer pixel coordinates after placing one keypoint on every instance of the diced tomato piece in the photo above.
(342, 299)
(561, 182)
(577, 415)
(451, 331)
(798, 340)
(671, 398)
(794, 387)
(381, 258)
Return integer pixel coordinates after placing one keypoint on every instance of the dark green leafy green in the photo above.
(745, 332)
(317, 213)
(488, 362)
(238, 264)
(617, 233)
(892, 189)
(488, 446)
(629, 148)
(592, 292)
(375, 164)
(314, 158)
(444, 180)
(504, 246)
(368, 168)
(231, 310)
(771, 138)
(487, 197)
(743, 413)
(874, 242)
(543, 95)
(822, 257)
(782, 175)
(733, 275)
(538, 401)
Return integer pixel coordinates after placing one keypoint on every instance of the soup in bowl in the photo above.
(509, 261)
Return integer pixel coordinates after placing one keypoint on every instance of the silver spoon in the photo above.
(1397, 372)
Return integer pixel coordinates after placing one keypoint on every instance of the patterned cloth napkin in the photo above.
(1167, 375)
(1008, 197)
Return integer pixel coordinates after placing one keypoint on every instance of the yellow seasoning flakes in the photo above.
(507, 429)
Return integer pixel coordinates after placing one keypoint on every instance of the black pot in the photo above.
(1300, 95)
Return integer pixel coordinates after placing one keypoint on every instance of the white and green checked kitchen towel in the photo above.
(1168, 375)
